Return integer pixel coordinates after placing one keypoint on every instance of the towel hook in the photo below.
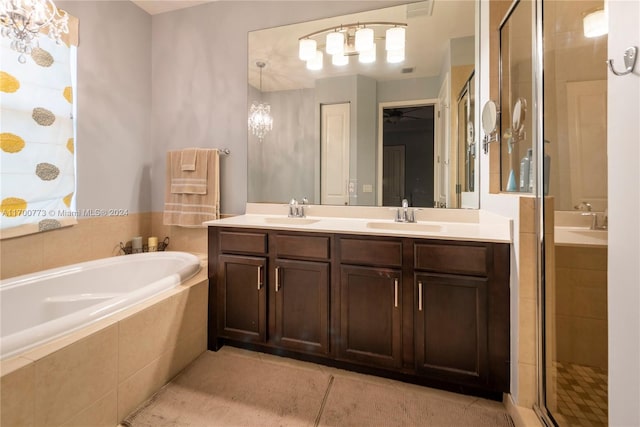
(630, 57)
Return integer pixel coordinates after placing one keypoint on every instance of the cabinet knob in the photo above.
(277, 279)
(259, 277)
(419, 296)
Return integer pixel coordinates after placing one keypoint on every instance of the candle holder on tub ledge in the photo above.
(128, 249)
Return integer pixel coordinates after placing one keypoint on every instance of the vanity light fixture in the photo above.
(354, 39)
(595, 23)
(260, 120)
(23, 20)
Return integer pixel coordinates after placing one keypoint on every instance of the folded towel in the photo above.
(189, 182)
(190, 210)
(188, 159)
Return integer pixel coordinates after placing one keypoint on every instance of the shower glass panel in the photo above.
(574, 293)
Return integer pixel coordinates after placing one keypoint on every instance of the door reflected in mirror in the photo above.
(348, 134)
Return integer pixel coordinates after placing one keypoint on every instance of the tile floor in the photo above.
(387, 402)
(582, 396)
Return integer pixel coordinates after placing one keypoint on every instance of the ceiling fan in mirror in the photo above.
(395, 115)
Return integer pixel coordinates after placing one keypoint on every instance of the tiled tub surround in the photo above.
(99, 374)
(449, 224)
(61, 300)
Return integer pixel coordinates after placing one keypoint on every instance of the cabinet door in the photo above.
(242, 296)
(302, 305)
(451, 327)
(370, 315)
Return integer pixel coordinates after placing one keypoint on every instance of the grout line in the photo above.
(324, 401)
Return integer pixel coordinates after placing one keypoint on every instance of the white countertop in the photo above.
(580, 236)
(573, 228)
(445, 224)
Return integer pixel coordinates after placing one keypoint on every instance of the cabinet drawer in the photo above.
(381, 253)
(451, 259)
(312, 247)
(243, 242)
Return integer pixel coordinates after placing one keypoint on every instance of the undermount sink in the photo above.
(290, 221)
(405, 226)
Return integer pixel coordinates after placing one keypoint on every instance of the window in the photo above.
(37, 138)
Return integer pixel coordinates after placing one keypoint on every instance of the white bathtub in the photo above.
(39, 307)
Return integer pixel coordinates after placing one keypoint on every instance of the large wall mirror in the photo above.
(369, 133)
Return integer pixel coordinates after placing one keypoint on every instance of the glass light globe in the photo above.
(395, 38)
(315, 63)
(368, 56)
(339, 59)
(306, 49)
(335, 43)
(364, 39)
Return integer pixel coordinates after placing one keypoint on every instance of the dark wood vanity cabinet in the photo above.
(451, 327)
(302, 305)
(430, 311)
(370, 316)
(370, 301)
(243, 298)
(461, 308)
(241, 272)
(271, 289)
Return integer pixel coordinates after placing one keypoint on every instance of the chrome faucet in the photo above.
(595, 224)
(584, 206)
(404, 213)
(296, 210)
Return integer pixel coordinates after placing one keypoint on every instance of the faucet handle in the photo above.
(405, 203)
(584, 206)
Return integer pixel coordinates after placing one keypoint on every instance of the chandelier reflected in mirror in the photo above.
(260, 120)
(358, 39)
(23, 20)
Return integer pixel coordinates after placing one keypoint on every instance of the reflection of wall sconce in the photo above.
(595, 23)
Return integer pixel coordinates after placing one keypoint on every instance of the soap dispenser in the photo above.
(525, 171)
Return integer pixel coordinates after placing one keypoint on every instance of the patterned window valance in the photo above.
(37, 138)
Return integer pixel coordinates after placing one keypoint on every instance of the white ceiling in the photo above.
(154, 7)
